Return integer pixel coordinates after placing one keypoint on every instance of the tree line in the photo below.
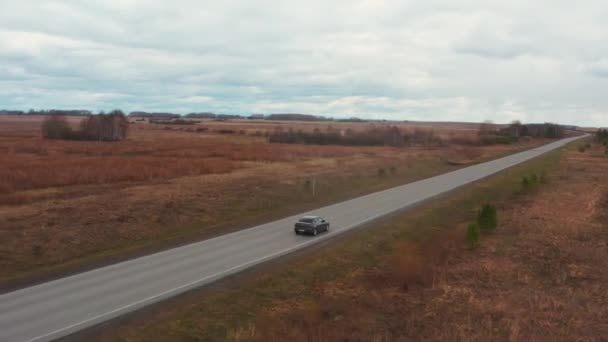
(490, 133)
(602, 136)
(64, 112)
(373, 136)
(113, 126)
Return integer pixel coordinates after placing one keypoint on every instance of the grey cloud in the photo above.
(599, 68)
(470, 61)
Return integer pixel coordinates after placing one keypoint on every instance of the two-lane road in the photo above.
(58, 308)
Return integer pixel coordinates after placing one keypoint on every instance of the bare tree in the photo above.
(105, 127)
(487, 128)
(56, 127)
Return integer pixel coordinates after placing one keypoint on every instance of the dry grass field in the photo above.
(541, 276)
(65, 204)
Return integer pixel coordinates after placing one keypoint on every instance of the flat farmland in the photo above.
(444, 130)
(68, 205)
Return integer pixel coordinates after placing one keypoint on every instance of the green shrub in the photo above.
(393, 170)
(473, 235)
(487, 220)
(307, 184)
(525, 183)
(534, 179)
(381, 172)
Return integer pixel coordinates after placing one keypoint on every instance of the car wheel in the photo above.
(297, 233)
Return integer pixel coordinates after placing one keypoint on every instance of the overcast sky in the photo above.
(470, 60)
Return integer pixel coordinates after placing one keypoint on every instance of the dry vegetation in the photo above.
(66, 203)
(541, 275)
(260, 127)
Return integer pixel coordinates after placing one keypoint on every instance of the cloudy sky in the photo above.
(469, 60)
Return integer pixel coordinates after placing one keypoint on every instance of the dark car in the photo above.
(311, 225)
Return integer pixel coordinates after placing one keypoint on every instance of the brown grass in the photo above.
(443, 130)
(64, 202)
(541, 276)
(362, 273)
(33, 163)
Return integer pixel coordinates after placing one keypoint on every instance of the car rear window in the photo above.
(307, 220)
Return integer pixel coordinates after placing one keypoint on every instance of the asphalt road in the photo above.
(58, 308)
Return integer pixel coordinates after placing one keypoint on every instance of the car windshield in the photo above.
(307, 220)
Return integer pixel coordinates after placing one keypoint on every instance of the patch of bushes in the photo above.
(307, 184)
(56, 127)
(584, 147)
(497, 140)
(487, 221)
(174, 122)
(487, 218)
(373, 136)
(225, 131)
(601, 136)
(544, 179)
(103, 127)
(532, 181)
(489, 134)
(525, 183)
(473, 233)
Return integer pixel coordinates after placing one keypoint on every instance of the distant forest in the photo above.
(62, 112)
(201, 115)
(516, 129)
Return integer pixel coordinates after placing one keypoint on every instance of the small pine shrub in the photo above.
(307, 184)
(534, 179)
(525, 183)
(381, 172)
(487, 219)
(393, 170)
(473, 235)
